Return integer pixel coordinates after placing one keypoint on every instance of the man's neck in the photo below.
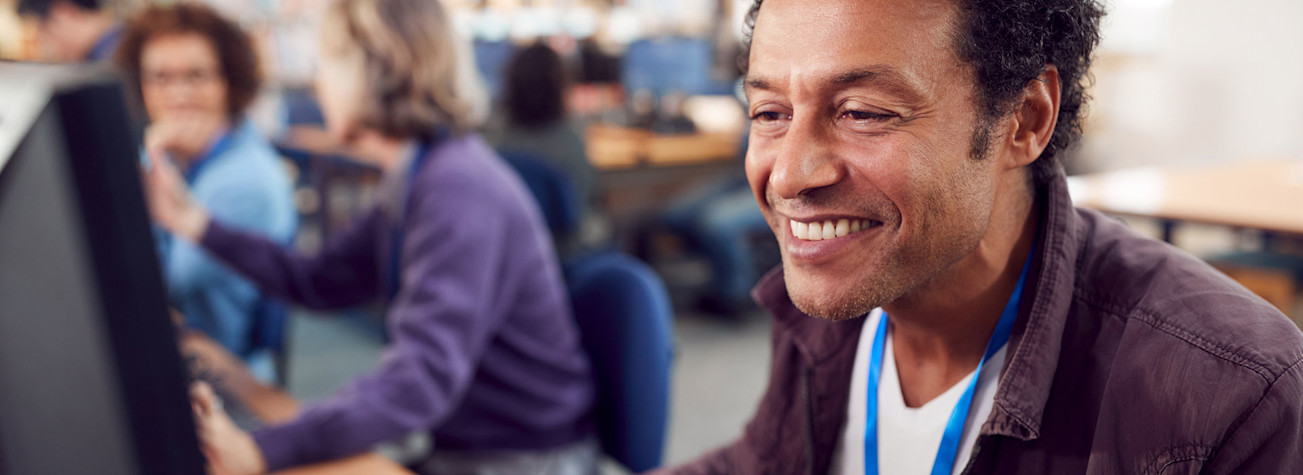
(940, 331)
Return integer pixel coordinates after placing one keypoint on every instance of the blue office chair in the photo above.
(269, 330)
(551, 188)
(268, 333)
(625, 321)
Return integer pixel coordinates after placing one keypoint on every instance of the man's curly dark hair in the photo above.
(1009, 43)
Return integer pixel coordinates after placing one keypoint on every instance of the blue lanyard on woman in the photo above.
(396, 247)
(218, 145)
(944, 464)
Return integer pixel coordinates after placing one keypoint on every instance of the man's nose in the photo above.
(805, 161)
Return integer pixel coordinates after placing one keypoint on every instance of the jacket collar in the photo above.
(1036, 342)
(1037, 339)
(817, 339)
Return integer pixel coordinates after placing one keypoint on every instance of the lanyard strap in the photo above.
(944, 464)
(396, 244)
(217, 145)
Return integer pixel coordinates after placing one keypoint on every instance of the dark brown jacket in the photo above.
(1129, 357)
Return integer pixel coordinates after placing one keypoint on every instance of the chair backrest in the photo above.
(268, 331)
(625, 321)
(551, 189)
(270, 320)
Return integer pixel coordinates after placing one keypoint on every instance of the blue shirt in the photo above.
(107, 45)
(242, 183)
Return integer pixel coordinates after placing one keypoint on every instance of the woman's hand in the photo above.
(170, 203)
(230, 451)
(184, 136)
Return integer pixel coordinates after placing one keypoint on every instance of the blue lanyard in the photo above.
(216, 147)
(944, 464)
(396, 247)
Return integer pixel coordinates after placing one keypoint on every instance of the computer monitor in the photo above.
(90, 376)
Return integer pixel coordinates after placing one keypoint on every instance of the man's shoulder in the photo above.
(1183, 299)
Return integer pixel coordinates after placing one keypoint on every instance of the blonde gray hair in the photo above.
(416, 72)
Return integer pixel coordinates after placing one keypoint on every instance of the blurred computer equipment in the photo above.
(91, 378)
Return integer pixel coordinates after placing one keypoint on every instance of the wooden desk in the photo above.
(609, 146)
(273, 406)
(612, 147)
(1260, 194)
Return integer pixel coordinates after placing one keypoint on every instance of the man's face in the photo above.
(864, 119)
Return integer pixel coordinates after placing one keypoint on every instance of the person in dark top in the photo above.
(532, 119)
(941, 306)
(485, 354)
(74, 30)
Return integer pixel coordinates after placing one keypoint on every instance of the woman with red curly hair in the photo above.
(196, 73)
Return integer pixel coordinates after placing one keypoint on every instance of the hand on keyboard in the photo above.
(230, 450)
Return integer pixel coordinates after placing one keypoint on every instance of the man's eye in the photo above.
(768, 116)
(868, 116)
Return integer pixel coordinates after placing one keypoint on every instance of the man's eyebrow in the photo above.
(880, 76)
(885, 77)
(857, 75)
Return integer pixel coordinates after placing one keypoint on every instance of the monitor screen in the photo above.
(90, 377)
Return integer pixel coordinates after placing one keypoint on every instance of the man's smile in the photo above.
(829, 228)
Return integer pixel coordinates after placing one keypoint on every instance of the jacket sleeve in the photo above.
(743, 456)
(344, 273)
(441, 321)
(1270, 440)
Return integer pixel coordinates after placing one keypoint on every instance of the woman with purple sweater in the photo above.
(485, 354)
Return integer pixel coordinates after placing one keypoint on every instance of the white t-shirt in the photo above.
(908, 438)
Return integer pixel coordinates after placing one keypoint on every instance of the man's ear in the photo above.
(1034, 120)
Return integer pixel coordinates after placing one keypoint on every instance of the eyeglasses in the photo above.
(190, 77)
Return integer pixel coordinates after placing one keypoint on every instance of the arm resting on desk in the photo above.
(273, 406)
(362, 464)
(344, 274)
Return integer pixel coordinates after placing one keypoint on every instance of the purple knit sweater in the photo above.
(484, 351)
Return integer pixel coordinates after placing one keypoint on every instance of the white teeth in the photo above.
(819, 231)
(815, 233)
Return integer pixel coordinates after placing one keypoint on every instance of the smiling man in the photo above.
(942, 307)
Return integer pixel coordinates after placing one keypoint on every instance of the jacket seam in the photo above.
(808, 409)
(1150, 318)
(1234, 429)
(1048, 279)
(1205, 451)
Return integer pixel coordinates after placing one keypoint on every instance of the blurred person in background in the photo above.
(196, 74)
(532, 120)
(74, 30)
(485, 354)
(722, 218)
